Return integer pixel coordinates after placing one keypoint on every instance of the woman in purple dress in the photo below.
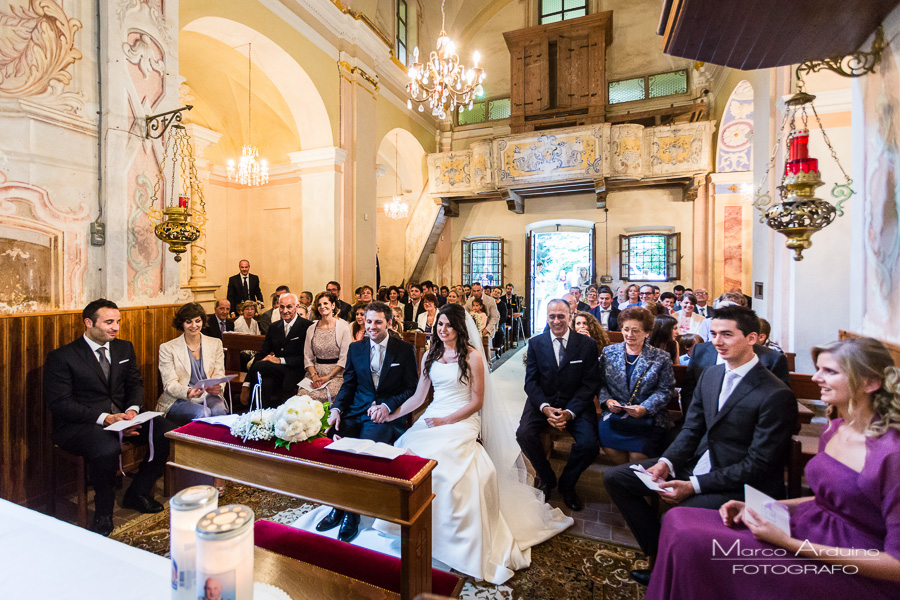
(844, 540)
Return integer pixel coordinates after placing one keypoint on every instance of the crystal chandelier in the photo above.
(442, 81)
(249, 170)
(397, 208)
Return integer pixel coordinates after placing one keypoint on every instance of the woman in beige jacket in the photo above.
(189, 358)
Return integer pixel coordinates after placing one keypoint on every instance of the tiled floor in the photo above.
(600, 519)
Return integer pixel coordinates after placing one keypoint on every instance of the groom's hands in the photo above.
(379, 413)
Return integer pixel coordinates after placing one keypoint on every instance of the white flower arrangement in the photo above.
(300, 418)
(255, 425)
(297, 420)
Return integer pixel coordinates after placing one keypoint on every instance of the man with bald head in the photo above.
(243, 286)
(561, 377)
(280, 360)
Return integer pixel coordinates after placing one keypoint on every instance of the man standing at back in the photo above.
(90, 384)
(343, 308)
(243, 286)
(381, 374)
(737, 431)
(561, 378)
(280, 360)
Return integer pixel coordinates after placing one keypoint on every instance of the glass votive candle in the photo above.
(225, 553)
(185, 509)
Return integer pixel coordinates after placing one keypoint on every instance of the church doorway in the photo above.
(560, 257)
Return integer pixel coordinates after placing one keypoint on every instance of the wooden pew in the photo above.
(234, 343)
(615, 337)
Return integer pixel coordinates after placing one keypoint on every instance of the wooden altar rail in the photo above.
(404, 502)
(25, 341)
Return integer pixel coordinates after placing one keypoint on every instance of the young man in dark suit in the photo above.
(219, 322)
(561, 378)
(606, 312)
(279, 363)
(380, 375)
(736, 432)
(513, 312)
(343, 308)
(90, 384)
(243, 286)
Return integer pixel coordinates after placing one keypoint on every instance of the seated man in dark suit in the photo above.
(562, 376)
(271, 316)
(606, 312)
(343, 308)
(280, 360)
(92, 383)
(219, 322)
(704, 355)
(243, 286)
(736, 432)
(380, 375)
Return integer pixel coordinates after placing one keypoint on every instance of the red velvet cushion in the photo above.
(404, 467)
(378, 569)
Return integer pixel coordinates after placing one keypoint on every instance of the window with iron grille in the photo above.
(657, 85)
(650, 257)
(482, 261)
(402, 41)
(486, 110)
(552, 11)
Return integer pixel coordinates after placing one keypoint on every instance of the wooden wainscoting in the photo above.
(25, 340)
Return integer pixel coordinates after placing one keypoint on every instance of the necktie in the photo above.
(727, 387)
(246, 289)
(221, 325)
(375, 363)
(104, 362)
(561, 351)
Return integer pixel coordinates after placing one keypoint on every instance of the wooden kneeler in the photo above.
(310, 566)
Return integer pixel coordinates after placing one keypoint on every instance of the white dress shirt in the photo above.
(704, 465)
(94, 346)
(555, 346)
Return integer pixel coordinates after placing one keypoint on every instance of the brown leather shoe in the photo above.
(245, 396)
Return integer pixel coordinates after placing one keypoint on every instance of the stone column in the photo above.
(321, 170)
(359, 86)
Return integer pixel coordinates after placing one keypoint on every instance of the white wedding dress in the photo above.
(470, 532)
(486, 514)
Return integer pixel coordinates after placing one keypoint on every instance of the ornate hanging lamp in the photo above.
(442, 81)
(248, 170)
(397, 208)
(180, 217)
(799, 214)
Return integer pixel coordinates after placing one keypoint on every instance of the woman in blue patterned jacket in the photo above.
(638, 383)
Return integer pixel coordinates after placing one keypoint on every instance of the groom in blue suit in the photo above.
(380, 375)
(562, 376)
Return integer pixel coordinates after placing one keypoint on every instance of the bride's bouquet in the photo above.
(297, 420)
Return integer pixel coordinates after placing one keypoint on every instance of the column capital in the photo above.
(202, 137)
(318, 157)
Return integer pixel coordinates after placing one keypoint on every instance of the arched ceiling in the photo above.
(217, 77)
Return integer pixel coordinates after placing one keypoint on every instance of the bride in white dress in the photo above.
(485, 519)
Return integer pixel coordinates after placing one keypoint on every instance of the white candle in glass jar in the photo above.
(185, 509)
(225, 553)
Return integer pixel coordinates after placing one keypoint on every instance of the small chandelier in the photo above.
(799, 214)
(443, 82)
(397, 208)
(179, 221)
(249, 171)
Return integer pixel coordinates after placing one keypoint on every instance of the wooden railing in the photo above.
(25, 340)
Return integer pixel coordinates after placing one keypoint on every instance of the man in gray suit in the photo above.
(736, 432)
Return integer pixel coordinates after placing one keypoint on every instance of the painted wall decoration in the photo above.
(450, 171)
(735, 148)
(625, 152)
(678, 149)
(37, 48)
(42, 250)
(881, 168)
(549, 156)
